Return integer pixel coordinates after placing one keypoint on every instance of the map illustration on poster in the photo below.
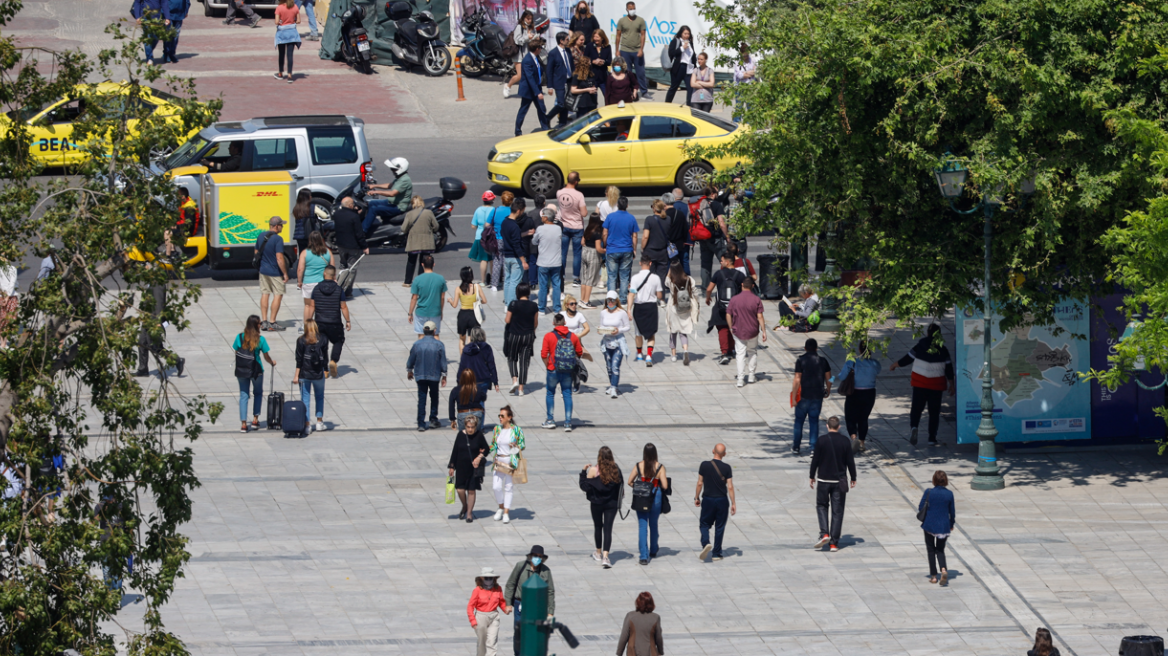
(1038, 395)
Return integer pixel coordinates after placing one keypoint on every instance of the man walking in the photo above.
(717, 502)
(427, 296)
(620, 245)
(151, 10)
(514, 255)
(534, 564)
(561, 352)
(559, 63)
(727, 283)
(573, 209)
(831, 462)
(178, 13)
(932, 372)
(631, 31)
(745, 321)
(677, 215)
(427, 366)
(547, 240)
(329, 306)
(350, 238)
(531, 87)
(148, 344)
(643, 298)
(812, 384)
(273, 273)
(309, 8)
(242, 7)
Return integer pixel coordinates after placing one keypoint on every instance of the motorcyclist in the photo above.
(399, 192)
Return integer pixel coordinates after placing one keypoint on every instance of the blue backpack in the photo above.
(565, 353)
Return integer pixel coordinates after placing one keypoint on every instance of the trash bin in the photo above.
(1141, 646)
(772, 275)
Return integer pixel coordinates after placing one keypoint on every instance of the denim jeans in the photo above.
(576, 238)
(316, 387)
(112, 583)
(430, 388)
(257, 395)
(804, 410)
(647, 528)
(553, 276)
(683, 252)
(170, 47)
(378, 207)
(612, 362)
(460, 419)
(512, 276)
(637, 63)
(517, 611)
(715, 513)
(620, 270)
(309, 8)
(149, 47)
(564, 380)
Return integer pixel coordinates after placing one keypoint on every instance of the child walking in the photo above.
(483, 610)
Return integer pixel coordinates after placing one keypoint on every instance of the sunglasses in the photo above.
(571, 305)
(502, 416)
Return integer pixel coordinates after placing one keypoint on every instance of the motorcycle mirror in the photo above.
(585, 140)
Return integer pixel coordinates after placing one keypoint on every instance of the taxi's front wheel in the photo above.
(692, 177)
(542, 178)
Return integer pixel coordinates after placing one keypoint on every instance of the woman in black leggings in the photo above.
(858, 404)
(602, 483)
(518, 337)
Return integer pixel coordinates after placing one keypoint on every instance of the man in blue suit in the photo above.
(178, 13)
(151, 10)
(531, 87)
(559, 63)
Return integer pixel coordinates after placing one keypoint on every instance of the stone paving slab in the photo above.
(341, 543)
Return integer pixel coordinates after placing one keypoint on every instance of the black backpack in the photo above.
(247, 363)
(643, 491)
(258, 258)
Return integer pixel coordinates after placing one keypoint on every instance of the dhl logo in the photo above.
(267, 193)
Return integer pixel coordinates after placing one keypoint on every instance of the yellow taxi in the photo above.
(51, 126)
(642, 143)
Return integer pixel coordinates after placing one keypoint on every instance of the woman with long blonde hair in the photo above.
(311, 360)
(602, 483)
(608, 205)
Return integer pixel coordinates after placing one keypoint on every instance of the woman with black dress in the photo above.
(602, 483)
(600, 54)
(470, 449)
(584, 21)
(518, 337)
(681, 53)
(583, 86)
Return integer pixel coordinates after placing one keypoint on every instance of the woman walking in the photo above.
(1043, 644)
(620, 87)
(249, 371)
(419, 226)
(467, 399)
(649, 471)
(305, 220)
(614, 323)
(593, 259)
(479, 357)
(467, 458)
(483, 610)
(518, 337)
(483, 217)
(602, 483)
(641, 632)
(583, 86)
(311, 360)
(859, 403)
(599, 53)
(464, 298)
(507, 445)
(287, 35)
(501, 213)
(940, 518)
(681, 53)
(701, 82)
(310, 270)
(681, 310)
(524, 32)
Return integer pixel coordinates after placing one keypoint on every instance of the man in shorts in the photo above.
(273, 273)
(427, 296)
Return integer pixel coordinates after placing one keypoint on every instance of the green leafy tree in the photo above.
(1140, 248)
(857, 102)
(102, 458)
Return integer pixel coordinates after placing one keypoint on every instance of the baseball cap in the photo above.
(488, 195)
(429, 327)
(612, 294)
(275, 220)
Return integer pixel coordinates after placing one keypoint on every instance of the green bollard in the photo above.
(533, 637)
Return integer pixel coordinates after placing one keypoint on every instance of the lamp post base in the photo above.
(991, 482)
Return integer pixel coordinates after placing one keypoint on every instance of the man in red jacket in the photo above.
(561, 353)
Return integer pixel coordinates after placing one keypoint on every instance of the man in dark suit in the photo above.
(559, 64)
(531, 87)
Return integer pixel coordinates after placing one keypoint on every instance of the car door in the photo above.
(334, 158)
(52, 133)
(278, 154)
(661, 142)
(606, 158)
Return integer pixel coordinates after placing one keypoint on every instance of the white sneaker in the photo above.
(308, 429)
(498, 514)
(567, 427)
(506, 90)
(515, 388)
(751, 379)
(319, 425)
(673, 358)
(741, 383)
(519, 393)
(506, 518)
(549, 424)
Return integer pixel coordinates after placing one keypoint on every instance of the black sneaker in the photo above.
(795, 450)
(933, 441)
(644, 562)
(422, 428)
(182, 364)
(912, 437)
(434, 424)
(229, 21)
(142, 373)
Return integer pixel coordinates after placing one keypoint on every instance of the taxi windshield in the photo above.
(560, 134)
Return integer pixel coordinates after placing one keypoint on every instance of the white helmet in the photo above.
(398, 165)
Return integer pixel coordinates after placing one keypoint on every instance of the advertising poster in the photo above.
(1037, 392)
(244, 212)
(1126, 412)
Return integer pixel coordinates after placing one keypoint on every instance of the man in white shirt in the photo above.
(644, 294)
(547, 242)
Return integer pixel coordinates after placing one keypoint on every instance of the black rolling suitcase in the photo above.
(295, 417)
(275, 407)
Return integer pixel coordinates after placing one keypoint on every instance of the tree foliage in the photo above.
(857, 102)
(66, 381)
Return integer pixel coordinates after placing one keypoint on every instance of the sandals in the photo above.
(945, 578)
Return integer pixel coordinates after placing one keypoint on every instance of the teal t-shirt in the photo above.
(429, 287)
(262, 349)
(314, 266)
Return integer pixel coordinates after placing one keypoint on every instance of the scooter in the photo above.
(483, 53)
(390, 233)
(355, 44)
(416, 41)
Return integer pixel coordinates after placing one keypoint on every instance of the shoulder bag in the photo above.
(519, 476)
(258, 258)
(478, 305)
(849, 384)
(924, 512)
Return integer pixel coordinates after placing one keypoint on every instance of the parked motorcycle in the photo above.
(484, 41)
(355, 44)
(390, 234)
(416, 41)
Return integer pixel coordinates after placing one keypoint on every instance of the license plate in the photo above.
(362, 46)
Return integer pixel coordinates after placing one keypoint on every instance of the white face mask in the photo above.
(632, 13)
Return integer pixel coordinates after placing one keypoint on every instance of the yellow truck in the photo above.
(234, 210)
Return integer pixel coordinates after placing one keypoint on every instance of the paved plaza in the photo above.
(341, 543)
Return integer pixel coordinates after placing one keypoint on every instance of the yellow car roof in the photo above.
(638, 108)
